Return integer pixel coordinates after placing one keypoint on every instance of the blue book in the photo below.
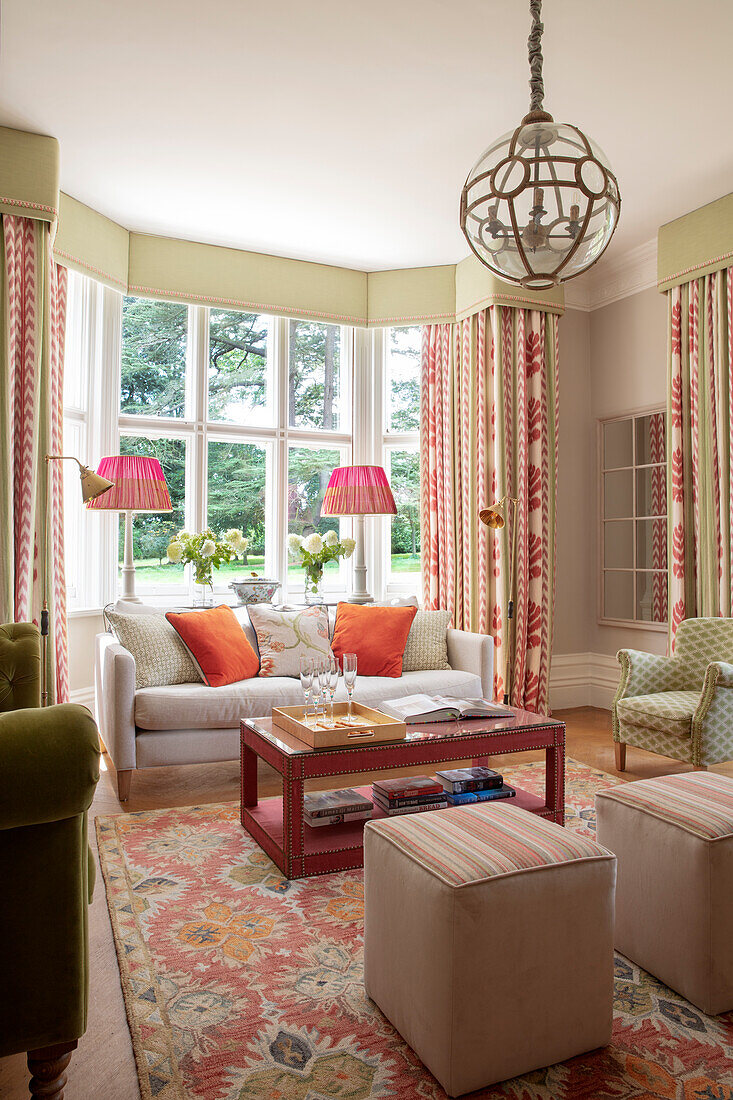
(481, 796)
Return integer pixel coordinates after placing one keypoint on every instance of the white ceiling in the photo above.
(342, 131)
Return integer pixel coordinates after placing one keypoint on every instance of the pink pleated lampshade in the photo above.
(139, 485)
(358, 491)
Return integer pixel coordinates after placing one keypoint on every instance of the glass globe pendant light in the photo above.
(541, 203)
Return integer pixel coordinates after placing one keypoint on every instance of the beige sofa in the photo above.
(196, 724)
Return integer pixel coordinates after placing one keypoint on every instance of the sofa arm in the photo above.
(712, 730)
(114, 692)
(643, 673)
(49, 764)
(473, 653)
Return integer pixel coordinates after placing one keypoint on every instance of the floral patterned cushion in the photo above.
(283, 637)
(670, 711)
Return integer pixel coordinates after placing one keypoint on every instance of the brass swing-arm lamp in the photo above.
(495, 517)
(92, 486)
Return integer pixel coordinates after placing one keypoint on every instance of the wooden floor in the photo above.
(103, 1066)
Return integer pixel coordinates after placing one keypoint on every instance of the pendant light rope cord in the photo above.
(534, 45)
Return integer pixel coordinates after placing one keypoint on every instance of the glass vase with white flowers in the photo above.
(206, 552)
(313, 552)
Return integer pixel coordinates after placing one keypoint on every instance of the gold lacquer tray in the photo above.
(371, 726)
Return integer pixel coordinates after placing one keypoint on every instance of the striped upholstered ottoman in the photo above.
(488, 940)
(673, 838)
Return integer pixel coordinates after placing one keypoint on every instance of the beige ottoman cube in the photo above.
(488, 940)
(673, 838)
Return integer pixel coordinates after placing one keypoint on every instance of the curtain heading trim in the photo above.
(186, 271)
(695, 245)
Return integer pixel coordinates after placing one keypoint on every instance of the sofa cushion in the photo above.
(161, 658)
(196, 706)
(217, 644)
(427, 645)
(668, 711)
(377, 635)
(283, 637)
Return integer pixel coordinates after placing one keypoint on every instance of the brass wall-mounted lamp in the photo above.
(496, 517)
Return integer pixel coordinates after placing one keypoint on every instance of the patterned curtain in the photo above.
(489, 392)
(31, 426)
(700, 406)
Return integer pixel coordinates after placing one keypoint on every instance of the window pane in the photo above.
(403, 378)
(314, 357)
(651, 597)
(309, 469)
(618, 495)
(617, 444)
(237, 485)
(651, 491)
(404, 477)
(152, 531)
(651, 544)
(618, 595)
(618, 544)
(650, 439)
(153, 357)
(240, 387)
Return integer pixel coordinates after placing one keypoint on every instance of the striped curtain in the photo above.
(489, 391)
(700, 445)
(31, 426)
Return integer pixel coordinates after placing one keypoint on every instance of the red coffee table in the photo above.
(277, 823)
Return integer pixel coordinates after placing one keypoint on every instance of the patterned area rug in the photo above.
(240, 985)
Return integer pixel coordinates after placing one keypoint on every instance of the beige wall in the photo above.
(628, 372)
(574, 577)
(82, 632)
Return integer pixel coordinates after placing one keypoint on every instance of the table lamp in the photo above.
(139, 486)
(359, 491)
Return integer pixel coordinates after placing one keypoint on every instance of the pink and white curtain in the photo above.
(31, 426)
(700, 413)
(489, 393)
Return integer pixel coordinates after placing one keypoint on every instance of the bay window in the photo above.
(248, 415)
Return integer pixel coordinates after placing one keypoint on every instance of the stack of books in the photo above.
(409, 796)
(334, 807)
(464, 785)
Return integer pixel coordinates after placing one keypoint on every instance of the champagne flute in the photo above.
(332, 675)
(319, 685)
(306, 682)
(349, 680)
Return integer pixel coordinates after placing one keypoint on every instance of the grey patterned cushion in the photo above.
(161, 658)
(426, 643)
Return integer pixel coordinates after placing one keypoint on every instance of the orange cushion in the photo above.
(217, 644)
(377, 635)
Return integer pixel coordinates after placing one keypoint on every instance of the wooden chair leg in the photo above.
(124, 779)
(620, 749)
(48, 1070)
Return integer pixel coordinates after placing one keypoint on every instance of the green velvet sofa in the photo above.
(49, 767)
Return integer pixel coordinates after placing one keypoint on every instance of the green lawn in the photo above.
(149, 571)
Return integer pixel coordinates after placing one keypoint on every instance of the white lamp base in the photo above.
(128, 565)
(360, 593)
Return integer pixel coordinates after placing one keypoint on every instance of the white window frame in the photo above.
(394, 584)
(603, 620)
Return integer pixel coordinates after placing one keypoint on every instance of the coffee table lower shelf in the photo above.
(335, 847)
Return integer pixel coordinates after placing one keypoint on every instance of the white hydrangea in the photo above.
(294, 543)
(348, 545)
(208, 549)
(330, 538)
(313, 544)
(175, 552)
(182, 534)
(236, 540)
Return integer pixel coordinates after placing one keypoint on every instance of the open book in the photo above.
(439, 708)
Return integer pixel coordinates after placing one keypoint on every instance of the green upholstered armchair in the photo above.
(680, 706)
(49, 767)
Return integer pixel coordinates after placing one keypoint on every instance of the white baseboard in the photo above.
(583, 680)
(84, 696)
